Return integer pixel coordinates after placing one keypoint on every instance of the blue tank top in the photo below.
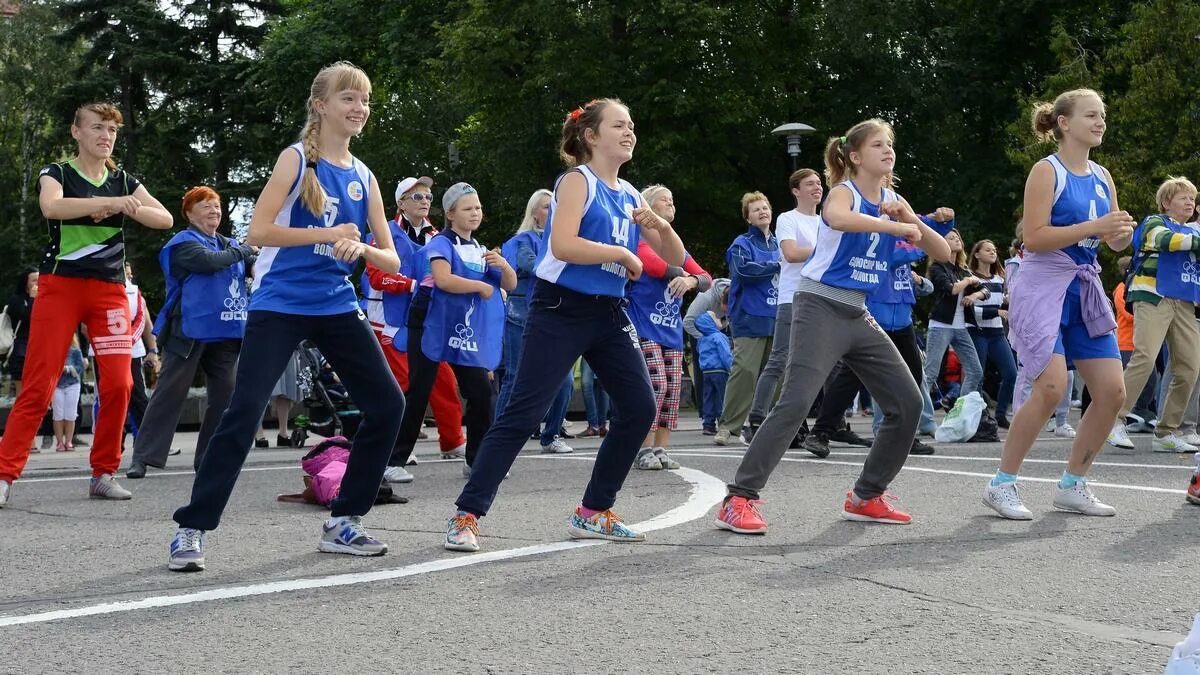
(607, 219)
(857, 261)
(1078, 199)
(308, 279)
(212, 306)
(655, 312)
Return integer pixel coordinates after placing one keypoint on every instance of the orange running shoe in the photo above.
(1193, 493)
(741, 515)
(876, 510)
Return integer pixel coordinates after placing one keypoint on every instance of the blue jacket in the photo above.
(716, 354)
(751, 268)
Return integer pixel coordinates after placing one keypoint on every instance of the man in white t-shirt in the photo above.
(796, 231)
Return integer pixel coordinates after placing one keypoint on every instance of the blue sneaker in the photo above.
(346, 535)
(604, 525)
(187, 551)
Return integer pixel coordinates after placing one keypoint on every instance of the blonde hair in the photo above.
(528, 223)
(107, 112)
(653, 192)
(1045, 115)
(837, 150)
(1171, 188)
(340, 76)
(751, 197)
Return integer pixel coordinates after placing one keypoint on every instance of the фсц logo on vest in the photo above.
(235, 304)
(464, 332)
(666, 311)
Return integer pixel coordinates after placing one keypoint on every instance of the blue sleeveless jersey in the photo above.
(607, 219)
(655, 312)
(857, 261)
(463, 328)
(1078, 199)
(211, 306)
(308, 279)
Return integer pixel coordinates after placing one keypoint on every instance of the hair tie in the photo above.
(842, 140)
(574, 114)
(311, 165)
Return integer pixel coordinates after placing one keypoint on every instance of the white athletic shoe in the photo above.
(1172, 443)
(1064, 431)
(557, 447)
(1185, 657)
(1005, 500)
(1118, 438)
(1079, 499)
(105, 487)
(722, 437)
(397, 474)
(5, 491)
(1192, 439)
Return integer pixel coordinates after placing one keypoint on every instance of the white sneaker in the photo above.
(557, 447)
(722, 437)
(397, 474)
(1076, 403)
(1005, 500)
(1118, 438)
(1064, 431)
(412, 460)
(1185, 657)
(1192, 439)
(105, 487)
(456, 453)
(1079, 499)
(5, 491)
(1172, 443)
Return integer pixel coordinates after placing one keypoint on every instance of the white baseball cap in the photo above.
(409, 183)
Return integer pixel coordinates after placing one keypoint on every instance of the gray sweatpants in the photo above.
(772, 373)
(830, 331)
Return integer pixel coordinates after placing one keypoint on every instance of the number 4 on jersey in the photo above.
(620, 230)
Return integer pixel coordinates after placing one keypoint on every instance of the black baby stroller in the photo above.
(328, 409)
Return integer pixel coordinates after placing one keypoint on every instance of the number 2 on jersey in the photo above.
(620, 230)
(874, 244)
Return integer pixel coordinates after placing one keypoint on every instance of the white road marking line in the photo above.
(56, 479)
(705, 491)
(948, 472)
(969, 458)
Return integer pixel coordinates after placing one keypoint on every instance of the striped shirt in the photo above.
(987, 310)
(1158, 237)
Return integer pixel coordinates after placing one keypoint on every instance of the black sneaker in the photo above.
(136, 470)
(262, 442)
(817, 444)
(848, 437)
(748, 432)
(919, 448)
(1002, 422)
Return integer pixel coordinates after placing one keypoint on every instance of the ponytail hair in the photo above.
(838, 166)
(574, 150)
(340, 76)
(107, 112)
(1045, 115)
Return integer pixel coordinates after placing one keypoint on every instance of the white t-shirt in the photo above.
(801, 229)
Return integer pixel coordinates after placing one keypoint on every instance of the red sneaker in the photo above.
(741, 515)
(876, 510)
(1193, 493)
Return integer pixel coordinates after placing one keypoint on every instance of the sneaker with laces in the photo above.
(919, 448)
(1064, 431)
(455, 453)
(462, 532)
(665, 459)
(557, 447)
(345, 534)
(847, 436)
(646, 460)
(1193, 491)
(5, 491)
(1192, 439)
(397, 474)
(726, 437)
(1185, 657)
(605, 525)
(1005, 500)
(187, 551)
(1172, 443)
(1119, 438)
(1079, 499)
(106, 487)
(818, 444)
(748, 431)
(741, 515)
(709, 430)
(874, 510)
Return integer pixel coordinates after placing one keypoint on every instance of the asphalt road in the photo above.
(959, 591)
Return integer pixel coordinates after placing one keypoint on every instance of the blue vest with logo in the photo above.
(607, 219)
(308, 279)
(1178, 271)
(655, 312)
(1078, 199)
(463, 328)
(211, 306)
(857, 261)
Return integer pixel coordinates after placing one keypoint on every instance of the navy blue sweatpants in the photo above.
(562, 326)
(348, 344)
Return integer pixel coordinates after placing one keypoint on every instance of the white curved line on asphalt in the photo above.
(705, 491)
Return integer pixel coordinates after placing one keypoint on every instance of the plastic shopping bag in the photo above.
(962, 420)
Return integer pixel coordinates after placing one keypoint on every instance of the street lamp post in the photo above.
(792, 132)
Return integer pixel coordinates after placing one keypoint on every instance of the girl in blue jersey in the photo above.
(856, 242)
(309, 220)
(1058, 312)
(575, 309)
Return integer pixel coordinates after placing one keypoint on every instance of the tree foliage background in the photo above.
(476, 90)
